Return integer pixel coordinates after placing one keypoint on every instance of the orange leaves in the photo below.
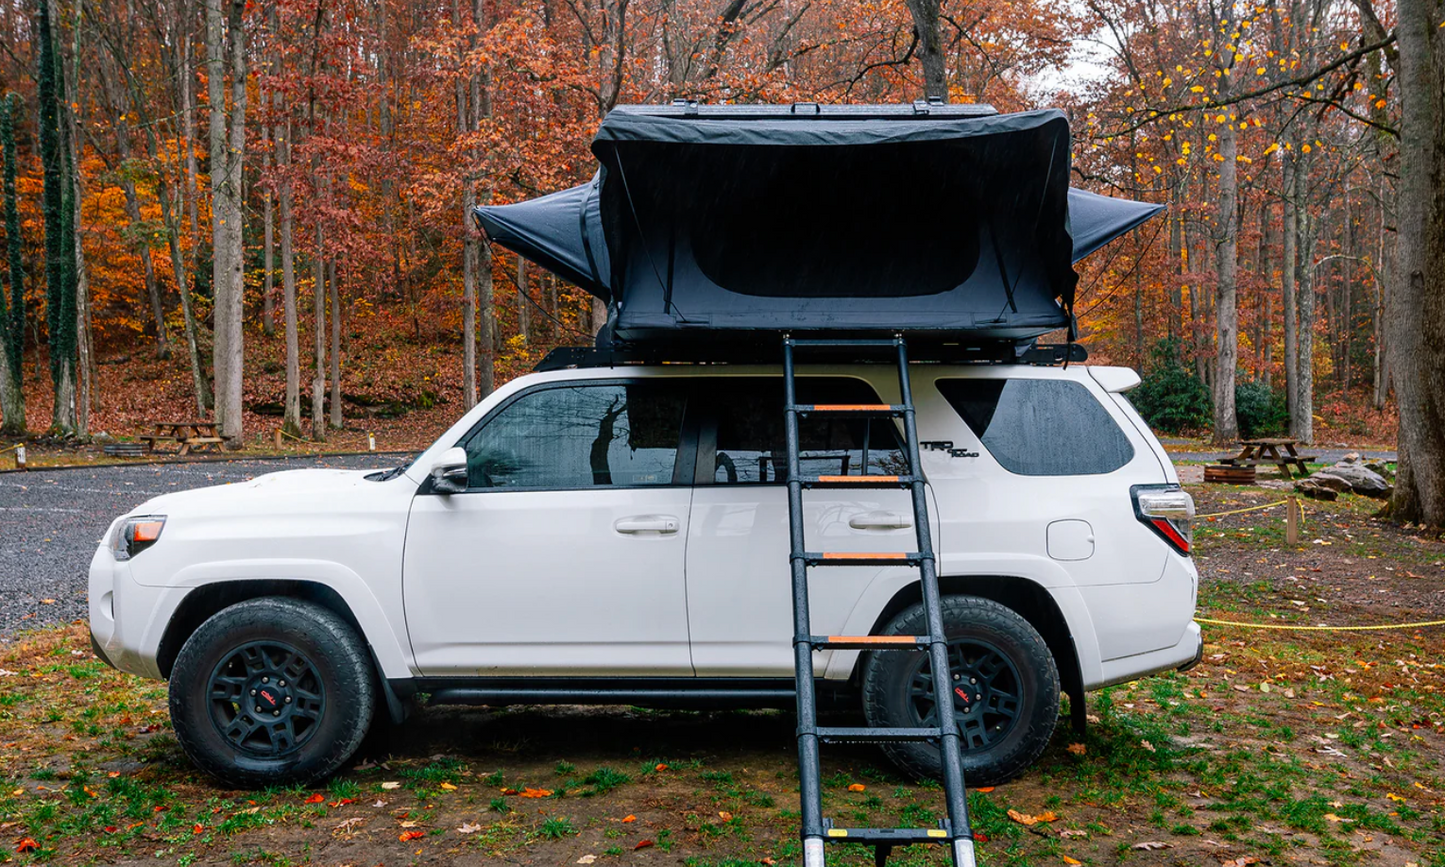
(644, 844)
(1026, 819)
(529, 792)
(856, 787)
(26, 844)
(317, 798)
(407, 836)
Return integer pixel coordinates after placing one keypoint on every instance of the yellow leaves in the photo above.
(1274, 146)
(1158, 171)
(856, 787)
(1259, 70)
(1213, 137)
(1068, 860)
(448, 787)
(1380, 103)
(1026, 819)
(1219, 158)
(1305, 148)
(1168, 81)
(1198, 88)
(1180, 161)
(1394, 797)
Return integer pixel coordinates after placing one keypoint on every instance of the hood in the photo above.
(287, 483)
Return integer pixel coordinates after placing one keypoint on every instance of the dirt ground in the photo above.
(1282, 747)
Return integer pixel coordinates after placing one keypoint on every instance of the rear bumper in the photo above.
(1183, 655)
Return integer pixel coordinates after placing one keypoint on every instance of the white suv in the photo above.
(619, 535)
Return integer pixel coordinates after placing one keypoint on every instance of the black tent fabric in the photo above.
(708, 220)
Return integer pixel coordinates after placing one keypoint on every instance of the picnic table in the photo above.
(187, 435)
(1266, 450)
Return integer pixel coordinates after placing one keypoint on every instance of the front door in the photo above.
(565, 555)
(738, 578)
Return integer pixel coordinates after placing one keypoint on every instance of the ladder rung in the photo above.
(862, 558)
(869, 642)
(897, 836)
(851, 408)
(864, 481)
(878, 735)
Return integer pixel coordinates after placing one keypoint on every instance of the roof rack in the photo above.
(997, 352)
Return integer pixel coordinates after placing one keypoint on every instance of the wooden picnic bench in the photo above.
(1266, 450)
(187, 435)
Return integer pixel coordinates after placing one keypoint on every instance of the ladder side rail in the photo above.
(809, 767)
(951, 741)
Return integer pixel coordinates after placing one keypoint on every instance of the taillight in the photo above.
(1168, 511)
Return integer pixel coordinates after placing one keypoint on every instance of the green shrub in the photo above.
(1169, 397)
(1260, 409)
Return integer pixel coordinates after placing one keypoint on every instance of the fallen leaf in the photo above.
(586, 859)
(410, 835)
(530, 792)
(984, 789)
(1333, 818)
(1151, 845)
(725, 815)
(408, 824)
(660, 767)
(448, 787)
(317, 798)
(857, 787)
(980, 837)
(1394, 797)
(391, 784)
(629, 818)
(1241, 862)
(47, 601)
(1022, 818)
(769, 861)
(379, 803)
(469, 828)
(348, 824)
(1078, 749)
(1146, 745)
(643, 845)
(113, 774)
(510, 792)
(197, 828)
(1068, 860)
(26, 845)
(343, 802)
(1070, 832)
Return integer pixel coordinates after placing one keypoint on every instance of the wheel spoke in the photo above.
(227, 688)
(979, 670)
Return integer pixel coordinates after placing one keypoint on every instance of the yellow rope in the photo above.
(1242, 511)
(1294, 628)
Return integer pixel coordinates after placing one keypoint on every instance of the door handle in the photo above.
(662, 525)
(880, 521)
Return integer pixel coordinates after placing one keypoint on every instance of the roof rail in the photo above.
(998, 352)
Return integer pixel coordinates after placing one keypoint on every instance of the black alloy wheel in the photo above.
(267, 698)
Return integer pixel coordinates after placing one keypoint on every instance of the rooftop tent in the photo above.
(846, 218)
(1095, 220)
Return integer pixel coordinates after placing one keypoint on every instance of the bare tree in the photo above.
(228, 143)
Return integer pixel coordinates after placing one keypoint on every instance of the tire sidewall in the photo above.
(329, 645)
(887, 675)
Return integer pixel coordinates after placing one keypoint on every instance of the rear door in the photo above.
(739, 591)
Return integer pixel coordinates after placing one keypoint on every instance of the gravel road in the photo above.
(50, 521)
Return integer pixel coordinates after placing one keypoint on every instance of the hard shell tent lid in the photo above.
(944, 219)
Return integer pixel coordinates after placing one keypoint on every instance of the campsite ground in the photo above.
(1314, 747)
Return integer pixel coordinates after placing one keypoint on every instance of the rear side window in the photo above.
(582, 436)
(751, 439)
(1040, 427)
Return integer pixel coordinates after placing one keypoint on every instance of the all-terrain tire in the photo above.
(1006, 718)
(332, 694)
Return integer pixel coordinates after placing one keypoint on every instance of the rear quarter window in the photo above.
(1040, 427)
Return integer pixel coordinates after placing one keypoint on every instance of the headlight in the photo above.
(134, 535)
(1168, 511)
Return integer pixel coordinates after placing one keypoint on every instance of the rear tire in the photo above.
(272, 691)
(1007, 690)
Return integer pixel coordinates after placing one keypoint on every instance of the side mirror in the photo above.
(449, 472)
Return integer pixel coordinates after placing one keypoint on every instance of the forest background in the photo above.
(257, 211)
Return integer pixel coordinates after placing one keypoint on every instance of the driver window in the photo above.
(580, 436)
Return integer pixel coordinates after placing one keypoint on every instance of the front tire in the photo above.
(1006, 695)
(272, 691)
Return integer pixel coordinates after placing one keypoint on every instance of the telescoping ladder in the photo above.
(953, 831)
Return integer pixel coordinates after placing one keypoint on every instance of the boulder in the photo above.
(1380, 467)
(1314, 490)
(1334, 483)
(1351, 458)
(1360, 479)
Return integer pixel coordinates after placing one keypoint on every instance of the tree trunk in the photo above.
(336, 419)
(318, 379)
(84, 344)
(524, 315)
(1288, 290)
(59, 245)
(1417, 300)
(1304, 420)
(227, 151)
(12, 314)
(291, 418)
(268, 245)
(1226, 425)
(930, 48)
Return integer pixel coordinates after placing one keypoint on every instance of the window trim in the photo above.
(686, 452)
(1123, 432)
